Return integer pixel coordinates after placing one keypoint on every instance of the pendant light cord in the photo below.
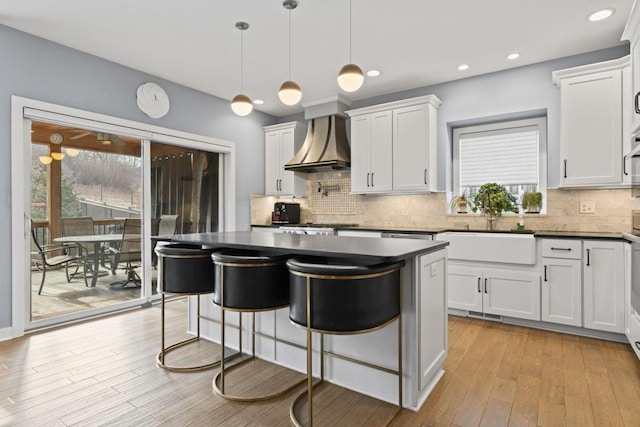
(289, 44)
(241, 61)
(350, 38)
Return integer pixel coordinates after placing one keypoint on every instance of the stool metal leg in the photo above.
(218, 380)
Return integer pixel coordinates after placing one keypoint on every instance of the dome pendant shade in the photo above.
(45, 160)
(241, 105)
(57, 156)
(350, 78)
(290, 93)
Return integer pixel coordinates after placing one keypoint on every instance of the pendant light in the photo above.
(45, 160)
(350, 77)
(241, 104)
(290, 93)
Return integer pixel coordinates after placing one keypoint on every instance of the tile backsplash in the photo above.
(428, 211)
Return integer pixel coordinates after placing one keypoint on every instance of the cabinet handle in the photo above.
(624, 165)
(637, 107)
(588, 260)
(479, 290)
(425, 176)
(561, 249)
(279, 185)
(372, 179)
(565, 168)
(638, 344)
(545, 273)
(368, 180)
(485, 286)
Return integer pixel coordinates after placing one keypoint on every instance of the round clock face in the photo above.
(153, 100)
(56, 138)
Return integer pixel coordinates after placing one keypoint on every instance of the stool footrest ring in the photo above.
(217, 388)
(216, 361)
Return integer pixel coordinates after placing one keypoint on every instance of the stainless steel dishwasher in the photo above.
(407, 235)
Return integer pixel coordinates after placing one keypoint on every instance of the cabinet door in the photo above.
(381, 178)
(562, 291)
(287, 178)
(464, 288)
(603, 271)
(511, 293)
(591, 128)
(635, 94)
(411, 148)
(272, 164)
(360, 154)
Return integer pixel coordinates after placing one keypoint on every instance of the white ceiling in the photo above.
(413, 42)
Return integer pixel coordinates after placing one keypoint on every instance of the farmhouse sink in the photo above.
(505, 248)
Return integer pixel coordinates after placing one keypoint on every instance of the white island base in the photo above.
(424, 338)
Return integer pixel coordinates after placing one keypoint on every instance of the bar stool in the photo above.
(334, 296)
(183, 269)
(247, 281)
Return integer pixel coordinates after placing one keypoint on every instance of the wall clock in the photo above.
(152, 100)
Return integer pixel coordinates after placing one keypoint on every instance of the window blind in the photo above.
(508, 157)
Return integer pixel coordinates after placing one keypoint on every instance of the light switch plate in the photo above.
(588, 207)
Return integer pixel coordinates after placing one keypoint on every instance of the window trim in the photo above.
(539, 122)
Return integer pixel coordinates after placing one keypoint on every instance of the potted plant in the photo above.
(492, 199)
(460, 203)
(532, 202)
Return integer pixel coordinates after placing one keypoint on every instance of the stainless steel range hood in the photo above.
(326, 146)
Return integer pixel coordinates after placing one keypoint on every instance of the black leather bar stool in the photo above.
(335, 296)
(247, 281)
(184, 269)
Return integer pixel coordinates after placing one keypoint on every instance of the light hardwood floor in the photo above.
(103, 372)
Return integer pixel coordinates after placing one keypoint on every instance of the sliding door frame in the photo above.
(23, 111)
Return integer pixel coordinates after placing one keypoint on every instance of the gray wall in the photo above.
(35, 68)
(501, 95)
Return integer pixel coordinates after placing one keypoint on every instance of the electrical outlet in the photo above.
(588, 207)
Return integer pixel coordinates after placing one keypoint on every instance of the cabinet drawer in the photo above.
(562, 248)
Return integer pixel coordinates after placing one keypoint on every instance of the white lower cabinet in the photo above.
(603, 285)
(496, 291)
(562, 291)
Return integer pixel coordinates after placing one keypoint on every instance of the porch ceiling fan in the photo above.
(103, 138)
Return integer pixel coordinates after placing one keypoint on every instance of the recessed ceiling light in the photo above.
(601, 14)
(373, 73)
(512, 56)
(463, 67)
(258, 101)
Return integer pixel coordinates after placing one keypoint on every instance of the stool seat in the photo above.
(346, 297)
(186, 269)
(253, 281)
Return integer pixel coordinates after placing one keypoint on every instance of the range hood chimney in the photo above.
(326, 146)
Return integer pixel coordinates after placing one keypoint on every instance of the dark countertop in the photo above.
(360, 248)
(536, 233)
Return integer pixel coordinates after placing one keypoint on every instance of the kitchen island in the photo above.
(424, 314)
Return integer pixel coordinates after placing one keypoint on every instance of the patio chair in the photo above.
(166, 226)
(48, 259)
(128, 252)
(80, 226)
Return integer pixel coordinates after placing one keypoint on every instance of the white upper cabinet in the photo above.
(591, 124)
(281, 143)
(394, 147)
(632, 34)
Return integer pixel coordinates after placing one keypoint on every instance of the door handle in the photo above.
(485, 286)
(545, 273)
(624, 165)
(425, 176)
(637, 107)
(368, 185)
(479, 290)
(588, 258)
(565, 168)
